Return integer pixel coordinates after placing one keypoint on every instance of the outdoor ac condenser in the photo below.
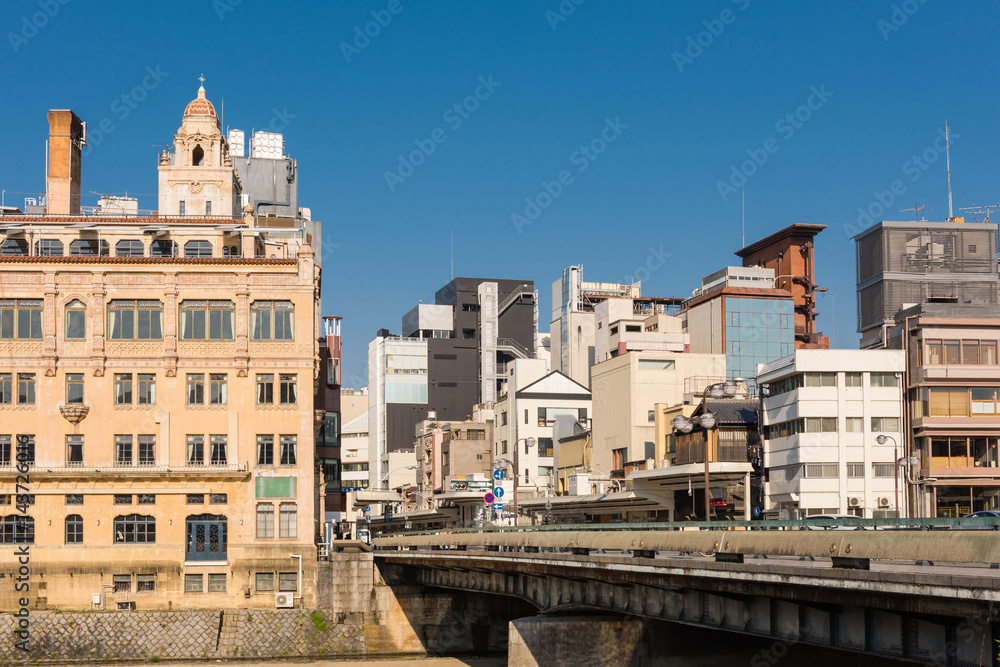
(284, 600)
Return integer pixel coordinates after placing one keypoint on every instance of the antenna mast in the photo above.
(947, 158)
(744, 228)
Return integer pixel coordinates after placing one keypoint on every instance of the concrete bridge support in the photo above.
(599, 641)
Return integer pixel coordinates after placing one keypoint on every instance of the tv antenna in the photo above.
(916, 210)
(985, 211)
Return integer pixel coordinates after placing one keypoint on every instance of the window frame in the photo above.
(71, 311)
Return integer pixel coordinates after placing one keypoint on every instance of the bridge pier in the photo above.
(597, 640)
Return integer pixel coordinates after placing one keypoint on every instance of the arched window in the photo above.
(76, 320)
(49, 248)
(135, 529)
(74, 529)
(206, 537)
(89, 248)
(198, 156)
(197, 249)
(129, 248)
(17, 529)
(163, 249)
(13, 247)
(230, 251)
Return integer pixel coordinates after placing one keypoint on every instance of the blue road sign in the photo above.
(367, 509)
(756, 511)
(368, 517)
(498, 492)
(498, 475)
(498, 506)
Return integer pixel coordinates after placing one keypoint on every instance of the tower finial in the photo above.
(201, 88)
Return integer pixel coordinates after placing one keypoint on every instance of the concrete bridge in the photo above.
(927, 596)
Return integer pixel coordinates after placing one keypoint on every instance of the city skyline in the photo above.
(681, 104)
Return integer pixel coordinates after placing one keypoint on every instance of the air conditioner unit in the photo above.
(883, 502)
(854, 502)
(126, 606)
(284, 600)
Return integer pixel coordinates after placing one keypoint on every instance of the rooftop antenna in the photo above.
(453, 255)
(947, 158)
(744, 217)
(916, 210)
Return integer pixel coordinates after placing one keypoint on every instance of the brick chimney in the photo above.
(67, 136)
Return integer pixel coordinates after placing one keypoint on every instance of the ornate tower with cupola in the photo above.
(198, 178)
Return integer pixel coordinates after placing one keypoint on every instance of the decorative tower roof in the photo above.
(200, 106)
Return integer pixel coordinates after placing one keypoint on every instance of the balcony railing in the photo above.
(121, 469)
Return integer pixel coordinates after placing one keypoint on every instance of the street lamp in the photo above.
(385, 478)
(706, 421)
(908, 461)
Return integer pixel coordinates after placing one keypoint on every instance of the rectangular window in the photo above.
(287, 382)
(970, 352)
(884, 469)
(655, 364)
(122, 583)
(265, 450)
(821, 379)
(820, 470)
(885, 424)
(265, 581)
(4, 450)
(288, 582)
(545, 446)
(21, 319)
(852, 379)
(6, 389)
(272, 320)
(219, 389)
(855, 424)
(74, 387)
(985, 401)
(74, 499)
(208, 208)
(265, 520)
(74, 450)
(194, 583)
(265, 388)
(216, 583)
(123, 450)
(147, 450)
(130, 319)
(147, 389)
(195, 450)
(503, 418)
(182, 210)
(933, 353)
(123, 389)
(287, 450)
(217, 499)
(952, 352)
(651, 416)
(24, 448)
(947, 402)
(855, 470)
(195, 498)
(145, 583)
(207, 320)
(821, 424)
(884, 380)
(218, 453)
(123, 499)
(288, 519)
(196, 389)
(146, 499)
(988, 353)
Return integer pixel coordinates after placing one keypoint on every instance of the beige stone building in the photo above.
(157, 375)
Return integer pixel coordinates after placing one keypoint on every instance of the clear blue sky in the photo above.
(684, 123)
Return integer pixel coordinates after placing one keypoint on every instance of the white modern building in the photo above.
(824, 411)
(532, 400)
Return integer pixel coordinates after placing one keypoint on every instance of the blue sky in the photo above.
(639, 118)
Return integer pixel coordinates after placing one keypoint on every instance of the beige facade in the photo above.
(626, 390)
(168, 403)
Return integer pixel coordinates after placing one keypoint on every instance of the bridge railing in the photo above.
(973, 523)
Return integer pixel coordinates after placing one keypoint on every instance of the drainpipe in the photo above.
(103, 598)
(299, 586)
(288, 192)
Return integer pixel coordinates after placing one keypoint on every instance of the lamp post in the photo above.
(528, 444)
(385, 478)
(908, 461)
(706, 421)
